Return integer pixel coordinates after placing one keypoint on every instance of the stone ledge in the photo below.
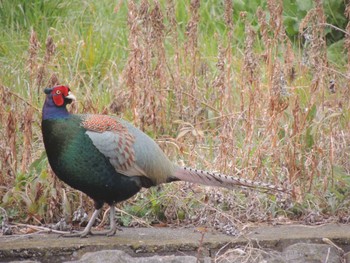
(139, 242)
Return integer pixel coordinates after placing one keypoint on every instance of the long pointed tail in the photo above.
(222, 180)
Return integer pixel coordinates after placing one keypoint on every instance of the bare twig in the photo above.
(139, 220)
(22, 99)
(41, 229)
(329, 25)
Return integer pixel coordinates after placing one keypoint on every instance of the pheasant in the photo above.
(109, 159)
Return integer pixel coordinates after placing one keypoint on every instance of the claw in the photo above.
(81, 234)
(87, 231)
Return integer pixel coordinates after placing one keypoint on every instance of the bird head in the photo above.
(61, 95)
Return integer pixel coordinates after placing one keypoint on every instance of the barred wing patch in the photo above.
(114, 141)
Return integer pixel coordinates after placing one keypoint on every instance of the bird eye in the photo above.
(58, 92)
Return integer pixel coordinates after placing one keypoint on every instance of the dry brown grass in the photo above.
(263, 112)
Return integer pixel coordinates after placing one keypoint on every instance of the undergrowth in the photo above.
(249, 89)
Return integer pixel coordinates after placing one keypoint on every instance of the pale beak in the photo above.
(71, 96)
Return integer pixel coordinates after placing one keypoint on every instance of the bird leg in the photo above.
(113, 226)
(87, 231)
(88, 227)
(112, 223)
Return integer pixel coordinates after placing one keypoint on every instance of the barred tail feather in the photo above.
(221, 180)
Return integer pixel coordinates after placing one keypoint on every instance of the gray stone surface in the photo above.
(117, 256)
(311, 253)
(296, 253)
(289, 243)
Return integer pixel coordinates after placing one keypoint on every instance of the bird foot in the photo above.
(84, 234)
(81, 234)
(108, 233)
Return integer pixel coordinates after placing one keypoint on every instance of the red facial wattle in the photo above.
(58, 95)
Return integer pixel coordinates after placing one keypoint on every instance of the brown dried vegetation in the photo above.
(264, 113)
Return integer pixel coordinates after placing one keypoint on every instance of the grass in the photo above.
(216, 88)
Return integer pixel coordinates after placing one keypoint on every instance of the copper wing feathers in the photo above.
(114, 141)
